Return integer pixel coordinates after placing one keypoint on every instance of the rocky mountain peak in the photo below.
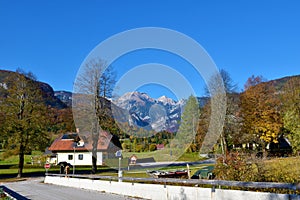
(142, 108)
(165, 100)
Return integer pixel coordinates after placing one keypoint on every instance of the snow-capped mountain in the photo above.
(158, 114)
(165, 100)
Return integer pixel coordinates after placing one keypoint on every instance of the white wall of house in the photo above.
(81, 158)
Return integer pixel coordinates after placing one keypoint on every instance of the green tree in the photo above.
(203, 125)
(25, 115)
(188, 125)
(291, 111)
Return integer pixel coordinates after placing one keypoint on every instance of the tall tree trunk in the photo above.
(94, 163)
(264, 151)
(21, 161)
(223, 145)
(95, 137)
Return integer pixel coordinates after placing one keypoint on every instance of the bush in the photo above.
(139, 148)
(124, 146)
(236, 167)
(152, 147)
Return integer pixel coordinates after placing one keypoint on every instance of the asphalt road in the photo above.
(34, 188)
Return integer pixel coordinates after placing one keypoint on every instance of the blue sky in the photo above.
(52, 38)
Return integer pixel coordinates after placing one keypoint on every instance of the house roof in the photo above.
(160, 146)
(68, 141)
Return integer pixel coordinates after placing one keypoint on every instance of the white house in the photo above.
(76, 150)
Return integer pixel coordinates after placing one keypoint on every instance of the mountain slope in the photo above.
(47, 90)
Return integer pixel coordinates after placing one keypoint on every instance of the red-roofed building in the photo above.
(160, 146)
(76, 149)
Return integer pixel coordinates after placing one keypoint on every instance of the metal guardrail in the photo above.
(214, 183)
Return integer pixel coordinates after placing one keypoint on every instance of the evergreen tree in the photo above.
(188, 125)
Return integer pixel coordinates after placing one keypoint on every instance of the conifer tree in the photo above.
(188, 125)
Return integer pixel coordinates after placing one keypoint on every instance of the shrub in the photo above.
(139, 148)
(237, 168)
(124, 146)
(152, 147)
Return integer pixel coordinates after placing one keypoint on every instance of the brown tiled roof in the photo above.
(61, 144)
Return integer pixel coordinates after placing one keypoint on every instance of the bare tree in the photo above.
(107, 81)
(94, 83)
(214, 85)
(217, 92)
(254, 80)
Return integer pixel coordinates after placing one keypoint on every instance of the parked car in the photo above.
(204, 173)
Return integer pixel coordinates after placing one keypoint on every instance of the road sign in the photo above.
(47, 165)
(119, 153)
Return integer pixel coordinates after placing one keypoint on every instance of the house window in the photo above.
(80, 157)
(70, 157)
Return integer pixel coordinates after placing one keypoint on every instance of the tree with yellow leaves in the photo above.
(262, 121)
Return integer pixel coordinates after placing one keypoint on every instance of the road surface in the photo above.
(34, 188)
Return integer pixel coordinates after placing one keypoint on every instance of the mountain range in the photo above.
(159, 114)
(136, 108)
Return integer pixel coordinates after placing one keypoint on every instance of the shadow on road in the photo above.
(13, 193)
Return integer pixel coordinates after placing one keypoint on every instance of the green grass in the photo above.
(14, 159)
(190, 157)
(25, 170)
(166, 154)
(161, 155)
(273, 170)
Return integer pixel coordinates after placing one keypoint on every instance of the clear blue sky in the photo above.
(52, 38)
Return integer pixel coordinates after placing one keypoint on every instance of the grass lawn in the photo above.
(273, 170)
(11, 164)
(282, 170)
(166, 154)
(14, 159)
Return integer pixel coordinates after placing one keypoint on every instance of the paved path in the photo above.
(34, 188)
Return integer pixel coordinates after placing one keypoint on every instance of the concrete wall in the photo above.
(159, 192)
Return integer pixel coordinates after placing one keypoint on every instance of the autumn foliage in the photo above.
(261, 114)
